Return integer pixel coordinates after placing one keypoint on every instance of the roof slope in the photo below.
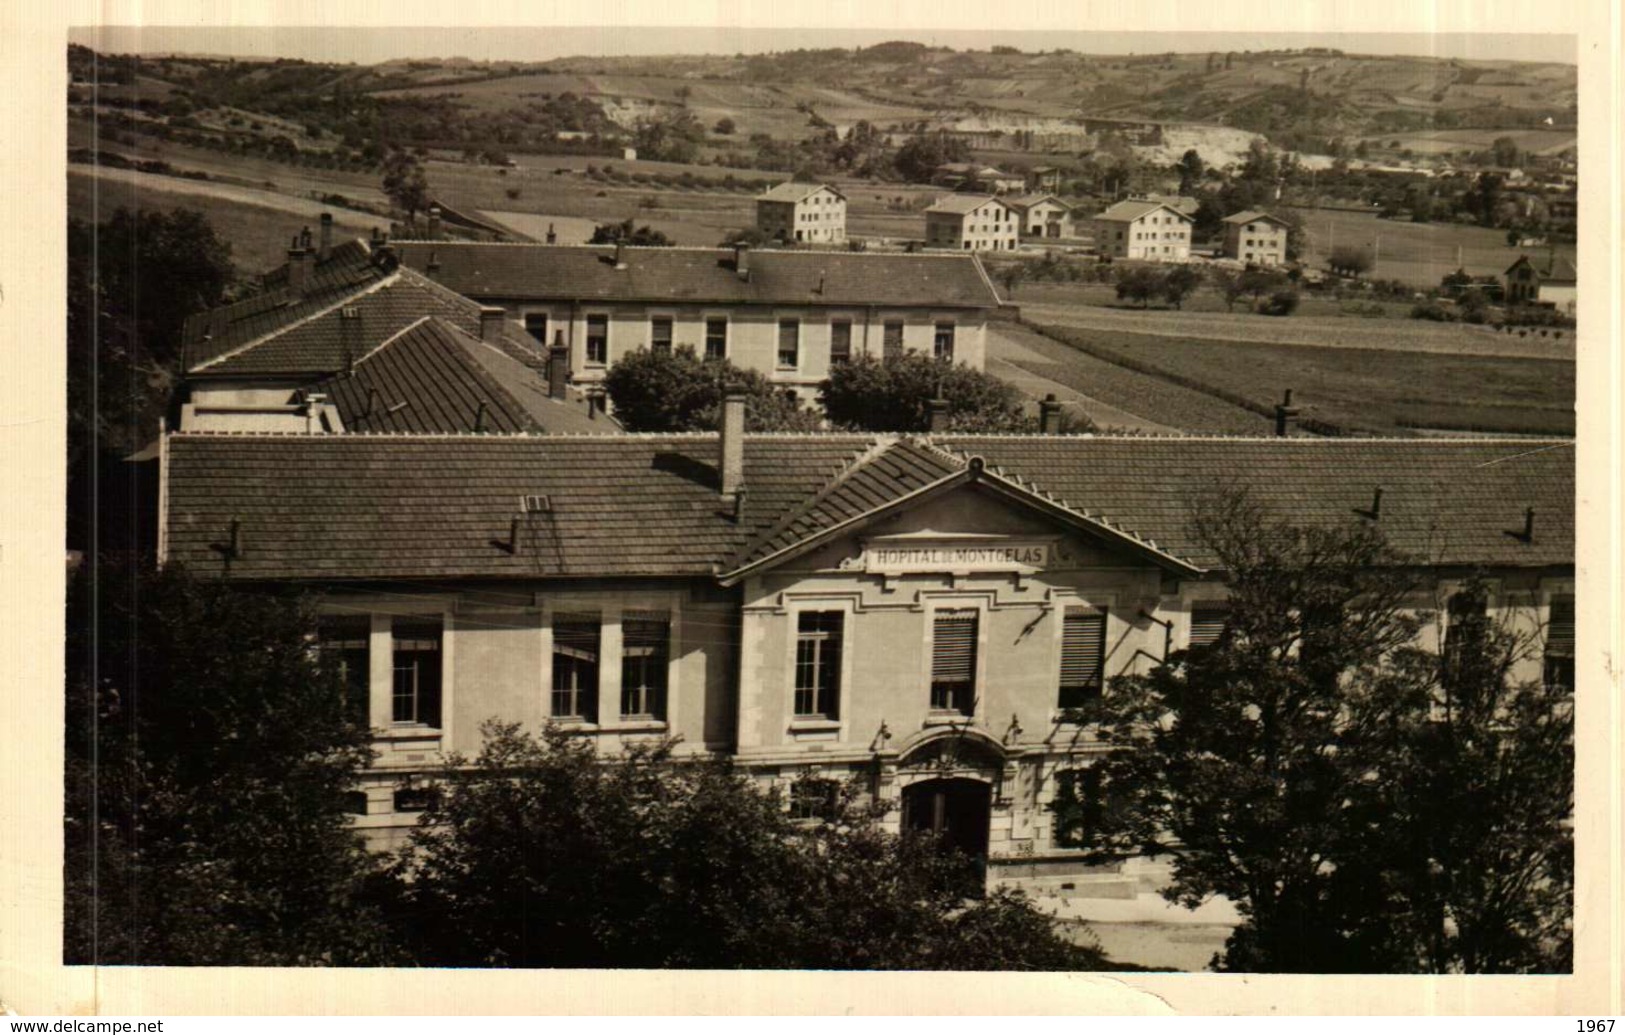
(796, 192)
(311, 343)
(380, 507)
(1129, 211)
(960, 204)
(1026, 201)
(533, 271)
(434, 377)
(1253, 215)
(1561, 271)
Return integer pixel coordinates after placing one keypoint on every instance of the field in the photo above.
(258, 233)
(1317, 324)
(1357, 390)
(1446, 141)
(1416, 253)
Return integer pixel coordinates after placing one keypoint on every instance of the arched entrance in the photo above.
(956, 810)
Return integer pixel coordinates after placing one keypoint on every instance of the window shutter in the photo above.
(1083, 653)
(576, 636)
(1207, 623)
(644, 633)
(953, 658)
(1560, 626)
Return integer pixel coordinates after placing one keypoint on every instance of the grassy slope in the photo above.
(1416, 253)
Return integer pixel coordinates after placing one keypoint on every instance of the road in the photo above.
(1004, 345)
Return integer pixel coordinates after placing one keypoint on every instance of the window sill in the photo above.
(407, 733)
(811, 725)
(634, 726)
(948, 718)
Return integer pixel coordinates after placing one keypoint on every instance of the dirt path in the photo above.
(1004, 346)
(306, 207)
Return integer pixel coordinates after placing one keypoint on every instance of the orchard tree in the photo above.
(1140, 284)
(1190, 170)
(1350, 260)
(540, 853)
(1179, 283)
(405, 182)
(1367, 804)
(625, 232)
(210, 755)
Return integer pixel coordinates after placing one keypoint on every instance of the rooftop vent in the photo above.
(539, 504)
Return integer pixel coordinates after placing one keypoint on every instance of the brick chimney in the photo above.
(620, 255)
(298, 271)
(1049, 415)
(350, 335)
(491, 319)
(327, 238)
(938, 409)
(432, 266)
(558, 367)
(1285, 414)
(552, 238)
(742, 260)
(434, 222)
(732, 460)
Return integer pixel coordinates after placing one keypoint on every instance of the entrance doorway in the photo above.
(956, 810)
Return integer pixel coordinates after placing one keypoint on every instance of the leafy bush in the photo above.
(895, 395)
(1282, 303)
(678, 391)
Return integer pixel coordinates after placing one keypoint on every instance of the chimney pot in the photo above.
(327, 237)
(552, 238)
(1285, 414)
(491, 319)
(434, 222)
(733, 444)
(620, 255)
(742, 260)
(298, 270)
(1049, 415)
(350, 335)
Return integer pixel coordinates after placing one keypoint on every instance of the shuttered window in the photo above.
(891, 339)
(575, 667)
(1559, 662)
(1083, 655)
(1207, 623)
(789, 343)
(840, 342)
(645, 650)
(953, 661)
(598, 339)
(660, 335)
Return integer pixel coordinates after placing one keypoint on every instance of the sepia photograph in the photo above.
(822, 499)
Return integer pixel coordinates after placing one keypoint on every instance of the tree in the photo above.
(679, 391)
(1179, 283)
(1259, 283)
(625, 233)
(1011, 276)
(209, 756)
(673, 136)
(1505, 152)
(1367, 804)
(405, 182)
(917, 160)
(724, 127)
(1140, 284)
(1190, 171)
(541, 854)
(895, 395)
(1350, 260)
(1228, 284)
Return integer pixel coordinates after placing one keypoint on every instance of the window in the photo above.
(1207, 623)
(1559, 662)
(575, 667)
(942, 345)
(660, 335)
(645, 639)
(1079, 806)
(716, 337)
(953, 661)
(891, 338)
(818, 664)
(415, 798)
(840, 342)
(1083, 656)
(345, 644)
(415, 697)
(1464, 625)
(814, 798)
(598, 339)
(790, 343)
(536, 326)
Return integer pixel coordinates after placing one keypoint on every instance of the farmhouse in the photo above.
(1554, 287)
(788, 314)
(802, 212)
(972, 223)
(912, 613)
(342, 338)
(1255, 237)
(1148, 230)
(986, 178)
(1041, 215)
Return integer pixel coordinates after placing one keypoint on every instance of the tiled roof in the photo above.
(1026, 201)
(704, 275)
(313, 345)
(434, 377)
(1561, 272)
(1129, 211)
(1252, 215)
(213, 333)
(420, 507)
(960, 204)
(796, 192)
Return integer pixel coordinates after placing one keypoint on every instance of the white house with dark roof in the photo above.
(913, 613)
(809, 213)
(972, 223)
(1149, 230)
(1256, 237)
(790, 314)
(1041, 215)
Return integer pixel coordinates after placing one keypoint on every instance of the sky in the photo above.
(369, 45)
